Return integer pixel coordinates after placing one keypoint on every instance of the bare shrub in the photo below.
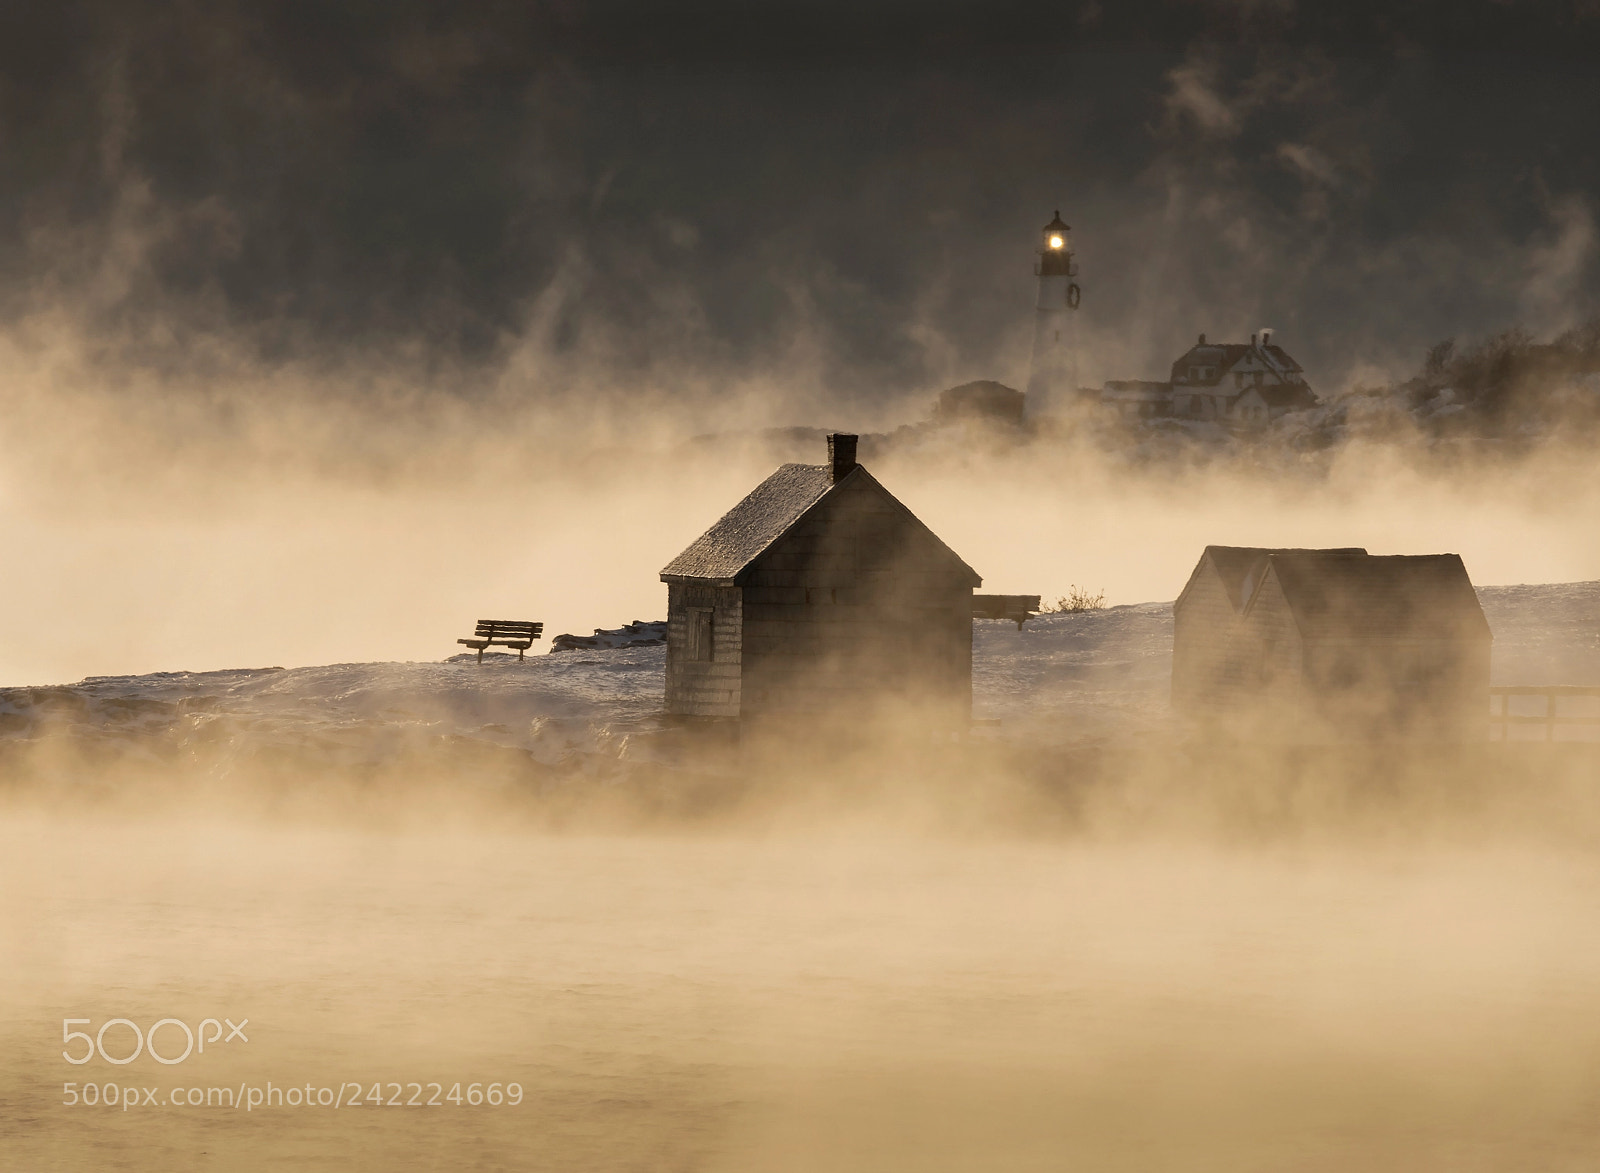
(1078, 599)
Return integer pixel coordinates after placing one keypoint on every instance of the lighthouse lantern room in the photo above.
(1055, 251)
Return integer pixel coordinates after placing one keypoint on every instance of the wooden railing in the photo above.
(1501, 718)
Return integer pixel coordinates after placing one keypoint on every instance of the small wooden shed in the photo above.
(819, 593)
(1335, 644)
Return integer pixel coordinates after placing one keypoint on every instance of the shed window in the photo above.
(700, 629)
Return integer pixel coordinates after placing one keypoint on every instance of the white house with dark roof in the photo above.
(819, 593)
(1239, 384)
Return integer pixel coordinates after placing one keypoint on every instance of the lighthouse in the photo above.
(1053, 374)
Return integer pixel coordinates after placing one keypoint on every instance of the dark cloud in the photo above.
(731, 188)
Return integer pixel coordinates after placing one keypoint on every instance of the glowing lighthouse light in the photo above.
(1056, 242)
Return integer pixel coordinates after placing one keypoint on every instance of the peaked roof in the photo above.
(771, 510)
(1236, 564)
(754, 523)
(1334, 594)
(1221, 357)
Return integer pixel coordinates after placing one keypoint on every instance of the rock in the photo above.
(638, 634)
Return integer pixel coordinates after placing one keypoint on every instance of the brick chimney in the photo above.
(842, 455)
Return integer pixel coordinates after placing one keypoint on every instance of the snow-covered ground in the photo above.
(1545, 634)
(1061, 678)
(1064, 676)
(551, 705)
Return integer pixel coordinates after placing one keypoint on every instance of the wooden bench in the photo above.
(1017, 608)
(509, 633)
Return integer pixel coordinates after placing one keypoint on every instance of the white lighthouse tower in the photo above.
(1053, 375)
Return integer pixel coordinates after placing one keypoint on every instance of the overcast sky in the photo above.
(847, 192)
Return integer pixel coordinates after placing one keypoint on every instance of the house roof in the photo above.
(1241, 568)
(753, 524)
(1221, 357)
(771, 510)
(1340, 595)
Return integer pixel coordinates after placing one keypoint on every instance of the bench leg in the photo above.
(480, 655)
(520, 651)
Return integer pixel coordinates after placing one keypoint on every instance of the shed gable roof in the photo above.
(1234, 565)
(742, 533)
(1336, 595)
(771, 510)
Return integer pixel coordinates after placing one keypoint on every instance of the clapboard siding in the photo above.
(1273, 639)
(704, 688)
(1212, 659)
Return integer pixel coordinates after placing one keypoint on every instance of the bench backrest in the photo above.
(507, 628)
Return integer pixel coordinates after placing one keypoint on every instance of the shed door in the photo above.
(700, 629)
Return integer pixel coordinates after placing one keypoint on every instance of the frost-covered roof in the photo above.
(753, 524)
(771, 510)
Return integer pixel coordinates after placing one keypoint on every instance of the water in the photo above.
(849, 997)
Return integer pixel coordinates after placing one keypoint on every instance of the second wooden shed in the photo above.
(1335, 644)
